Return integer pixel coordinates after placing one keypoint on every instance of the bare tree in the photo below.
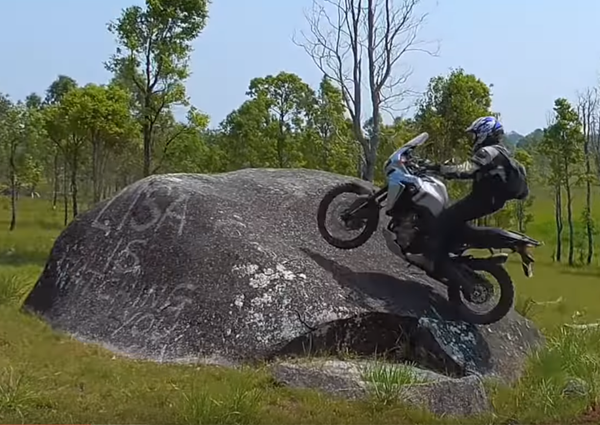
(555, 180)
(351, 38)
(587, 108)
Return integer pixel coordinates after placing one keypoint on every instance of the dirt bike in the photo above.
(413, 197)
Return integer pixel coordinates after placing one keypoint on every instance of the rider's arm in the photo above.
(480, 161)
(463, 171)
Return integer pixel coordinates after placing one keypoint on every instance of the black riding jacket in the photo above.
(487, 168)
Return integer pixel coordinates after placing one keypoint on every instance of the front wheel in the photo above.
(365, 219)
(479, 288)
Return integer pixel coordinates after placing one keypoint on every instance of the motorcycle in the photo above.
(413, 197)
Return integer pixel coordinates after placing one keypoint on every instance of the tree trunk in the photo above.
(375, 91)
(559, 222)
(588, 201)
(95, 168)
(74, 184)
(570, 220)
(589, 223)
(147, 129)
(13, 197)
(370, 159)
(521, 216)
(66, 192)
(56, 180)
(147, 149)
(281, 141)
(360, 163)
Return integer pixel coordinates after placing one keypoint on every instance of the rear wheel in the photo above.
(479, 290)
(365, 220)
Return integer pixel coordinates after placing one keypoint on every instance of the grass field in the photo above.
(49, 378)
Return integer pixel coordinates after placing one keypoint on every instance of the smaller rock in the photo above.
(453, 397)
(438, 393)
(576, 387)
(333, 377)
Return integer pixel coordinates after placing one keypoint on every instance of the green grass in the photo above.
(46, 377)
(386, 382)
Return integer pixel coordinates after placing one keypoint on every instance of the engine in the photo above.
(405, 229)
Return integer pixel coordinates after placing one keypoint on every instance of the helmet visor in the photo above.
(472, 135)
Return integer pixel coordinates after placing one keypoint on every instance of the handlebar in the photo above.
(417, 165)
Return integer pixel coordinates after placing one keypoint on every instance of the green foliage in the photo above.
(562, 146)
(59, 88)
(329, 143)
(152, 57)
(563, 142)
(450, 104)
(285, 123)
(20, 135)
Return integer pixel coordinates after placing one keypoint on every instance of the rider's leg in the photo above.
(447, 227)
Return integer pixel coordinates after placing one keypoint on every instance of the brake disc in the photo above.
(353, 223)
(478, 290)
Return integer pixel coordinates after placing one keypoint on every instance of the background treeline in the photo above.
(75, 145)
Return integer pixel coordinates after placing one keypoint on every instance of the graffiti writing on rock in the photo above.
(122, 259)
(147, 203)
(155, 314)
(120, 296)
(111, 283)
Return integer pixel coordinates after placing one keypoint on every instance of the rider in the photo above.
(488, 168)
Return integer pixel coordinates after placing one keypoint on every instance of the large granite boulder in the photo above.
(230, 268)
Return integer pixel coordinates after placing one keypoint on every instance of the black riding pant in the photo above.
(452, 221)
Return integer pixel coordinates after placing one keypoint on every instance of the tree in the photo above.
(351, 38)
(290, 102)
(273, 127)
(99, 115)
(84, 114)
(54, 94)
(154, 46)
(329, 145)
(18, 128)
(450, 104)
(587, 109)
(190, 153)
(248, 136)
(563, 145)
(392, 137)
(33, 101)
(58, 89)
(531, 141)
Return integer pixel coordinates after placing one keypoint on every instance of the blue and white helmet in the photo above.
(485, 131)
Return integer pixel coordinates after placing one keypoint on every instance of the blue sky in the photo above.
(531, 50)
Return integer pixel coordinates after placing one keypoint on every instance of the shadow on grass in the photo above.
(23, 258)
(50, 225)
(35, 224)
(581, 271)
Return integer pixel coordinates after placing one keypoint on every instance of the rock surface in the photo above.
(230, 267)
(351, 379)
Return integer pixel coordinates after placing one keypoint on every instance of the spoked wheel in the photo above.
(356, 215)
(490, 292)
